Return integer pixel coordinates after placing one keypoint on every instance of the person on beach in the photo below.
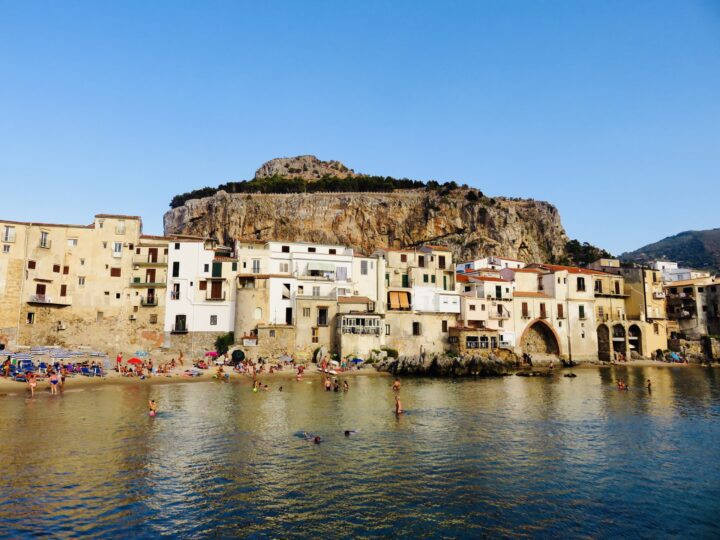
(63, 375)
(398, 405)
(118, 361)
(396, 385)
(32, 382)
(54, 380)
(152, 407)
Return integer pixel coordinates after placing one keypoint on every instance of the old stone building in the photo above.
(74, 285)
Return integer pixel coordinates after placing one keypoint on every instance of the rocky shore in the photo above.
(442, 365)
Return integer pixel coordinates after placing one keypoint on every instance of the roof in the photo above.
(40, 224)
(439, 248)
(353, 300)
(530, 294)
(117, 216)
(700, 281)
(152, 237)
(526, 270)
(464, 278)
(573, 269)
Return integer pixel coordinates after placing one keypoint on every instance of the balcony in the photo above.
(146, 262)
(136, 282)
(215, 298)
(50, 300)
(179, 329)
(658, 295)
(150, 301)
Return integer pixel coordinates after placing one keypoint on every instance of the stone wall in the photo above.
(192, 345)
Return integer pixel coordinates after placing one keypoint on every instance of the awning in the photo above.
(394, 300)
(321, 266)
(404, 300)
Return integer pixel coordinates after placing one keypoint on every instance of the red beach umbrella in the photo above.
(211, 353)
(134, 361)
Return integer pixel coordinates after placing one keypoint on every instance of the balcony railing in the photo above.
(150, 301)
(215, 298)
(361, 330)
(46, 299)
(179, 329)
(137, 282)
(159, 261)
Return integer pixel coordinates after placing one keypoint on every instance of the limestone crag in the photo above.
(524, 229)
(305, 167)
(442, 365)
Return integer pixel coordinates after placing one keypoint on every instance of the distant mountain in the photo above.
(693, 249)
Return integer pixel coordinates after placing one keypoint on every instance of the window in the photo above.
(117, 248)
(271, 333)
(213, 320)
(311, 250)
(543, 313)
(8, 234)
(6, 248)
(363, 268)
(656, 328)
(444, 326)
(314, 334)
(441, 262)
(66, 270)
(117, 296)
(285, 249)
(63, 290)
(426, 278)
(598, 286)
(81, 281)
(617, 287)
(403, 258)
(44, 239)
(432, 278)
(175, 293)
(72, 242)
(332, 251)
(581, 284)
(257, 313)
(387, 329)
(472, 307)
(284, 268)
(256, 266)
(115, 272)
(153, 318)
(581, 312)
(482, 307)
(316, 291)
(131, 247)
(206, 268)
(416, 328)
(202, 285)
(31, 265)
(176, 269)
(560, 311)
(234, 267)
(525, 310)
(177, 245)
(82, 262)
(99, 316)
(421, 261)
(30, 317)
(322, 319)
(101, 222)
(56, 268)
(120, 227)
(306, 312)
(104, 244)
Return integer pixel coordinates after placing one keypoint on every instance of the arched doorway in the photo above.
(619, 339)
(603, 337)
(539, 339)
(635, 339)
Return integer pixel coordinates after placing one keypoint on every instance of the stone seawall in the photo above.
(441, 365)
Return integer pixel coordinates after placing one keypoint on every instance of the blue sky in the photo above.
(609, 110)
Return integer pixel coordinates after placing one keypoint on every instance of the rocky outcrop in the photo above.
(305, 167)
(470, 225)
(442, 365)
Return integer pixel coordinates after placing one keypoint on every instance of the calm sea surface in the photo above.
(492, 458)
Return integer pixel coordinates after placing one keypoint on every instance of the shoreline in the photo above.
(9, 387)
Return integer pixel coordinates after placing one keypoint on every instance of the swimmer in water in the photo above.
(396, 385)
(649, 385)
(349, 432)
(398, 405)
(314, 438)
(152, 407)
(346, 386)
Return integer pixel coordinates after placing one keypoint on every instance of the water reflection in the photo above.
(496, 457)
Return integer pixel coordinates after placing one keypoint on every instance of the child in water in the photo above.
(398, 405)
(152, 407)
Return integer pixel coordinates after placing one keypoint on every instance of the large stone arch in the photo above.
(635, 339)
(619, 337)
(540, 338)
(604, 348)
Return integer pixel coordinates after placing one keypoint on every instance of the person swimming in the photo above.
(349, 432)
(152, 407)
(312, 438)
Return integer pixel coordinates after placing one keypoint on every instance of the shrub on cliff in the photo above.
(391, 353)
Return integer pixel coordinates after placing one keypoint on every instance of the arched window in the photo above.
(258, 313)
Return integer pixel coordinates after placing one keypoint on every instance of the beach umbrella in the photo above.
(285, 358)
(134, 361)
(356, 360)
(211, 353)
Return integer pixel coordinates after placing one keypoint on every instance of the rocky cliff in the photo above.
(469, 224)
(305, 167)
